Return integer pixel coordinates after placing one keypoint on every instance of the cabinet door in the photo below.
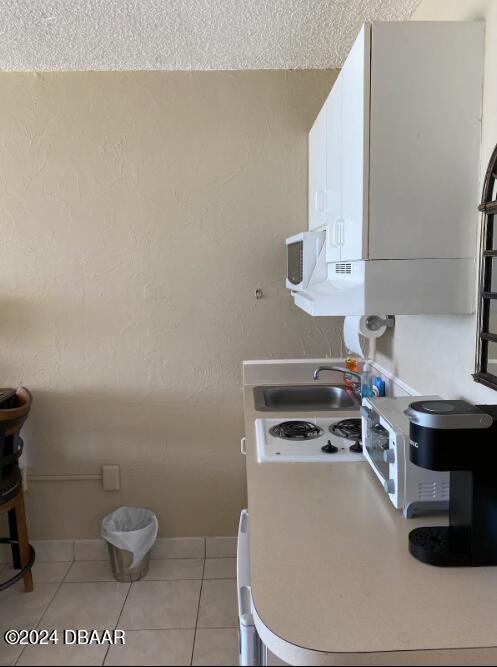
(426, 93)
(317, 171)
(355, 154)
(334, 147)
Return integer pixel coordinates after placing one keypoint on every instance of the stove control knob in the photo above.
(389, 456)
(329, 448)
(389, 486)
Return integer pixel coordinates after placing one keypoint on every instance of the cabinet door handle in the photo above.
(338, 233)
(319, 200)
(243, 446)
(334, 234)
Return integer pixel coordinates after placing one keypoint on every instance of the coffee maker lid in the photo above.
(448, 415)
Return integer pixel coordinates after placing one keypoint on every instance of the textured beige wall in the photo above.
(436, 354)
(139, 213)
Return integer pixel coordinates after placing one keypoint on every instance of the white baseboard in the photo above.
(54, 551)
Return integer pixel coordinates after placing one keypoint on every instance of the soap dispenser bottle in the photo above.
(366, 381)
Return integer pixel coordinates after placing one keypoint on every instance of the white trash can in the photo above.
(130, 533)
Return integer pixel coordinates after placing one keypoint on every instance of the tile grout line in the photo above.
(68, 570)
(118, 619)
(198, 609)
(37, 625)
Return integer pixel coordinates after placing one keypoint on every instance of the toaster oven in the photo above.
(385, 430)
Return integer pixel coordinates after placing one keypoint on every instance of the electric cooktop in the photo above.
(308, 440)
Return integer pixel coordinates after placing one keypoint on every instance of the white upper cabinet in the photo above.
(354, 130)
(317, 172)
(333, 168)
(394, 153)
(425, 126)
(341, 177)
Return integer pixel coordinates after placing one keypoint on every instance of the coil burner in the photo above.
(351, 430)
(296, 430)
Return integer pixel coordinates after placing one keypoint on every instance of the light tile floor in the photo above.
(183, 613)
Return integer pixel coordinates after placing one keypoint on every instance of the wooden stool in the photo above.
(13, 413)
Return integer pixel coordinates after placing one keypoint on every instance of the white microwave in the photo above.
(385, 430)
(302, 252)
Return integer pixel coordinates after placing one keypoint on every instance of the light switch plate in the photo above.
(111, 477)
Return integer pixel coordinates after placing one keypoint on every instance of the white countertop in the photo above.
(332, 575)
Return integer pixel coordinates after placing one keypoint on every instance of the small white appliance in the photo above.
(308, 440)
(252, 650)
(302, 252)
(385, 430)
(324, 288)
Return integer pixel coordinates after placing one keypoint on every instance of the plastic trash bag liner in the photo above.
(131, 528)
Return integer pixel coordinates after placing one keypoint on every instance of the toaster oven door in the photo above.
(377, 443)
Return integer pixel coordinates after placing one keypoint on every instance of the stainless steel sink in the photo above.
(305, 397)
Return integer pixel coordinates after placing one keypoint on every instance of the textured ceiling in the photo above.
(184, 34)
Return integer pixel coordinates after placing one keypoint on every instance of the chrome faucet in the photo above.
(338, 369)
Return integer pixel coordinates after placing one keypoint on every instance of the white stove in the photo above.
(302, 440)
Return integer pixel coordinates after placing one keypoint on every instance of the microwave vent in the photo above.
(343, 267)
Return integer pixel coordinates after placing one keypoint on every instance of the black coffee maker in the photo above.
(461, 438)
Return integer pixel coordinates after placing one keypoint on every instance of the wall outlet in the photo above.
(111, 478)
